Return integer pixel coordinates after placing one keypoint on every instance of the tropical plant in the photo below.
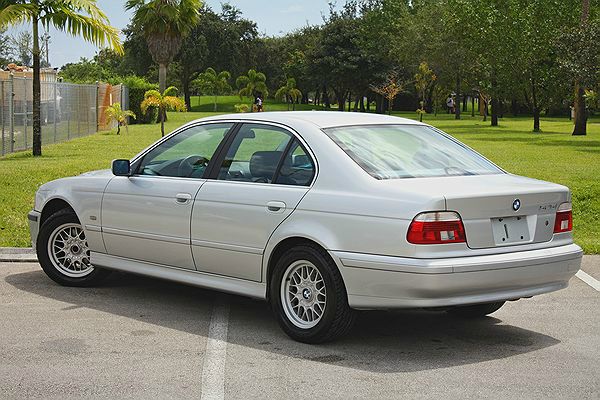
(76, 17)
(165, 101)
(211, 83)
(115, 113)
(165, 24)
(252, 84)
(290, 92)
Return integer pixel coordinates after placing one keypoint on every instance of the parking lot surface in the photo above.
(136, 337)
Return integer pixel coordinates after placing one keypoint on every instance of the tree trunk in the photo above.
(465, 103)
(457, 102)
(356, 101)
(326, 100)
(368, 104)
(162, 77)
(362, 103)
(215, 103)
(162, 113)
(535, 107)
(472, 105)
(118, 128)
(185, 83)
(580, 128)
(37, 92)
(349, 101)
(494, 100)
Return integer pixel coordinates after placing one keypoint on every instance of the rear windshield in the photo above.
(408, 151)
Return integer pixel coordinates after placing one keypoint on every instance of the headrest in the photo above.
(264, 163)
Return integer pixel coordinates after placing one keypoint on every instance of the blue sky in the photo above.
(274, 17)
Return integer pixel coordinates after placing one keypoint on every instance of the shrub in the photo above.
(137, 88)
(241, 108)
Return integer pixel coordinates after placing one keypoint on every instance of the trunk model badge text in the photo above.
(516, 204)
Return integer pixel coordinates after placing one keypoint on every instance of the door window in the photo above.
(255, 154)
(187, 154)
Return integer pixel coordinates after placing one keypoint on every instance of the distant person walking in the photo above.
(450, 104)
(258, 103)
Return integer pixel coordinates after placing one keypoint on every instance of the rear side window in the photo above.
(408, 151)
(297, 167)
(255, 154)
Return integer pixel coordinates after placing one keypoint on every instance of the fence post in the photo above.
(55, 106)
(25, 109)
(69, 113)
(11, 112)
(3, 100)
(97, 106)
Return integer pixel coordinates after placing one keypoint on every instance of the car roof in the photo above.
(322, 119)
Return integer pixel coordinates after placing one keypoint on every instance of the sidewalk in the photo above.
(17, 254)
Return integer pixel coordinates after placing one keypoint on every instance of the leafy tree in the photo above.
(579, 56)
(22, 45)
(77, 17)
(6, 49)
(212, 83)
(115, 113)
(164, 23)
(389, 89)
(252, 84)
(424, 79)
(290, 92)
(166, 101)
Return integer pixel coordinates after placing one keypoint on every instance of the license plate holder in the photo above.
(510, 230)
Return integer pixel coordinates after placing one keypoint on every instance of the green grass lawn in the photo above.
(552, 155)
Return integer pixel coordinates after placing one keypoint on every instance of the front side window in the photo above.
(187, 154)
(408, 151)
(255, 154)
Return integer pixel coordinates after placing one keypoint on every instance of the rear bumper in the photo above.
(33, 217)
(379, 282)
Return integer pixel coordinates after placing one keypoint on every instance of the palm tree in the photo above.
(211, 83)
(167, 101)
(165, 24)
(252, 84)
(116, 114)
(290, 92)
(77, 17)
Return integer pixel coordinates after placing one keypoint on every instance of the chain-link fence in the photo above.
(68, 110)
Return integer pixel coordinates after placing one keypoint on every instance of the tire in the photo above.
(71, 267)
(476, 310)
(309, 272)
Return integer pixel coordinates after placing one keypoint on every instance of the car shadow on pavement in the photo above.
(392, 341)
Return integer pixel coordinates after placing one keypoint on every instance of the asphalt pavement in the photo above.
(136, 337)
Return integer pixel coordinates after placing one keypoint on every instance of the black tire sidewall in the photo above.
(54, 221)
(310, 335)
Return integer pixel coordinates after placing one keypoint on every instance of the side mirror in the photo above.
(121, 167)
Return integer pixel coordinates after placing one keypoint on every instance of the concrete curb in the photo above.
(17, 254)
(16, 250)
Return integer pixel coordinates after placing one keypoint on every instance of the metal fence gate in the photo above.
(67, 111)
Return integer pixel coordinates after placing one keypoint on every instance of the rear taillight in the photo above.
(564, 218)
(436, 228)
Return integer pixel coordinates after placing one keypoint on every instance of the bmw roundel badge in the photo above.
(516, 204)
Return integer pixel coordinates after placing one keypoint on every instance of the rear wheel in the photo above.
(63, 251)
(476, 310)
(308, 296)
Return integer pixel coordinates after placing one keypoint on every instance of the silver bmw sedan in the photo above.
(319, 213)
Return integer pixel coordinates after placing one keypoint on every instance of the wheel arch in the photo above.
(281, 248)
(54, 205)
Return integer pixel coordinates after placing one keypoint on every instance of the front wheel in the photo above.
(476, 310)
(308, 296)
(63, 251)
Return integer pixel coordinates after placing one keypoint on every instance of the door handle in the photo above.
(183, 198)
(275, 206)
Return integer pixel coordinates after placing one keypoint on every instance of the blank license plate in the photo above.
(510, 230)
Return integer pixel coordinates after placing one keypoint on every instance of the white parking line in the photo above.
(588, 279)
(213, 370)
